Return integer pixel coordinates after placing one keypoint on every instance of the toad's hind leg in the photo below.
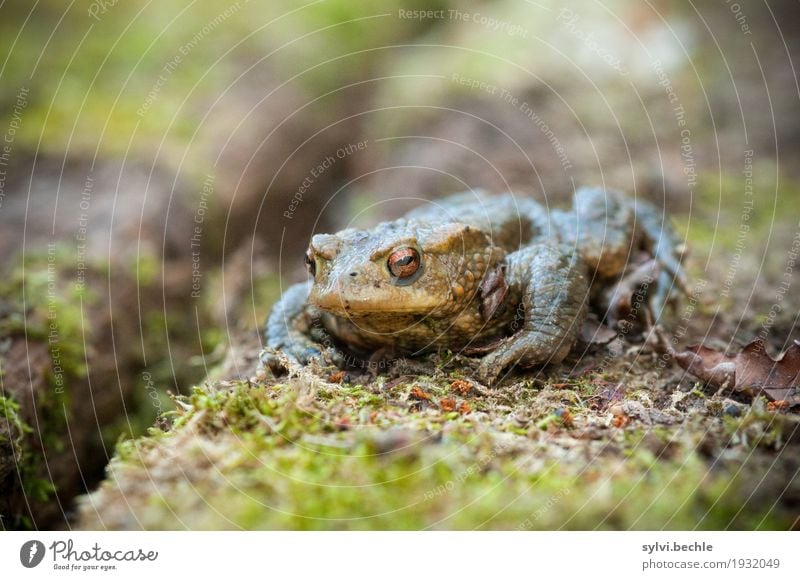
(609, 228)
(660, 239)
(550, 287)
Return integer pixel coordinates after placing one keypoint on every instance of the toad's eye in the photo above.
(311, 264)
(404, 263)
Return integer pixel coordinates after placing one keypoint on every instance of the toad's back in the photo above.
(511, 221)
(601, 226)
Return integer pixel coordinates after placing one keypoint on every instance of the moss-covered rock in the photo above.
(439, 451)
(73, 376)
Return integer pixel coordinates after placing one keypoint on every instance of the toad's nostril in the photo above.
(354, 273)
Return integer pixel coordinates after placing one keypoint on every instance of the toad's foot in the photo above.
(291, 337)
(526, 349)
(625, 301)
(289, 357)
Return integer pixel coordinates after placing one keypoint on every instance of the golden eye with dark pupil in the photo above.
(404, 263)
(311, 265)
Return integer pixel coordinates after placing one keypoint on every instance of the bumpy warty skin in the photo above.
(467, 271)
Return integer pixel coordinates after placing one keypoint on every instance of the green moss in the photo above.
(43, 303)
(759, 427)
(15, 427)
(306, 455)
(13, 434)
(725, 213)
(50, 305)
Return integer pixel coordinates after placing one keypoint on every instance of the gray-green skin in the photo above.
(501, 270)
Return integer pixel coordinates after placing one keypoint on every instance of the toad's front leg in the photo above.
(290, 330)
(550, 284)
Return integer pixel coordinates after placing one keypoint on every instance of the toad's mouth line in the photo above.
(368, 309)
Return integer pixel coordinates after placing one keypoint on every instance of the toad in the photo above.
(501, 275)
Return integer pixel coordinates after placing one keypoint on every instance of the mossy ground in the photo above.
(576, 449)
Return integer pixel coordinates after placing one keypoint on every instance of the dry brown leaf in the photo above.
(566, 418)
(418, 393)
(775, 406)
(337, 377)
(752, 370)
(460, 386)
(447, 405)
(620, 421)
